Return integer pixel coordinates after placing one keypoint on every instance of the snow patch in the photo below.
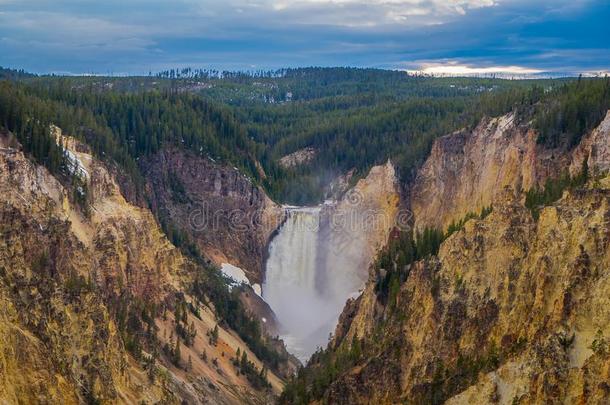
(75, 166)
(234, 273)
(257, 289)
(239, 277)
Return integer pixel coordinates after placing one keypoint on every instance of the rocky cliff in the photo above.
(90, 289)
(595, 148)
(228, 217)
(358, 225)
(467, 169)
(512, 309)
(507, 313)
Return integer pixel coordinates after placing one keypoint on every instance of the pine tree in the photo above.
(244, 360)
(214, 336)
(177, 354)
(192, 331)
(584, 172)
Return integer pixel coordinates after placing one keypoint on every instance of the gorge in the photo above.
(159, 246)
(293, 286)
(320, 257)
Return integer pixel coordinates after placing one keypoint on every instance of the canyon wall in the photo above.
(229, 218)
(595, 148)
(467, 169)
(512, 310)
(360, 222)
(518, 301)
(84, 285)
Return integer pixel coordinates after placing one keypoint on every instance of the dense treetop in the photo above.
(353, 118)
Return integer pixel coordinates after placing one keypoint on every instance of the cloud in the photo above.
(369, 13)
(179, 14)
(138, 35)
(70, 29)
(455, 68)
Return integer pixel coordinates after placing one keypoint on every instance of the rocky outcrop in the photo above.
(300, 157)
(339, 185)
(467, 169)
(78, 290)
(228, 217)
(355, 227)
(518, 301)
(595, 148)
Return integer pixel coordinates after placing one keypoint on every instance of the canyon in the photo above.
(512, 309)
(320, 257)
(471, 267)
(81, 288)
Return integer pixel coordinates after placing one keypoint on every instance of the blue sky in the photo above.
(514, 37)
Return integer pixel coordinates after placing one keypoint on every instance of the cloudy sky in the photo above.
(521, 37)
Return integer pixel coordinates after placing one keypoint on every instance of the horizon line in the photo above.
(497, 74)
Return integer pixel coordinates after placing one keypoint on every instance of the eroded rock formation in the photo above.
(78, 286)
(229, 218)
(467, 169)
(513, 309)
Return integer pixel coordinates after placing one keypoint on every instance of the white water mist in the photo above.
(311, 270)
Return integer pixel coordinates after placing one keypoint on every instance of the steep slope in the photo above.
(228, 217)
(61, 330)
(595, 148)
(467, 169)
(88, 294)
(506, 295)
(511, 310)
(354, 229)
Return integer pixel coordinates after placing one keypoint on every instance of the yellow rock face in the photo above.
(61, 273)
(520, 302)
(512, 310)
(361, 221)
(467, 169)
(595, 147)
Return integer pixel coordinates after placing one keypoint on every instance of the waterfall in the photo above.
(309, 276)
